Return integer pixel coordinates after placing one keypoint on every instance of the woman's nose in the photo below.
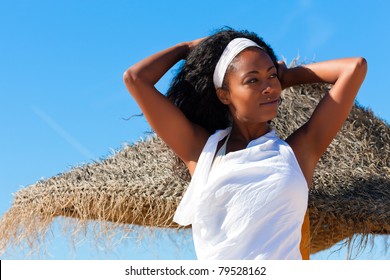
(266, 90)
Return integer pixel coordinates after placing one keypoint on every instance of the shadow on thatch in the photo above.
(142, 185)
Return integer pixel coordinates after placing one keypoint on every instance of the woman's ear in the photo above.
(223, 96)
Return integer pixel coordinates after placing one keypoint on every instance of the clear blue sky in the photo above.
(62, 98)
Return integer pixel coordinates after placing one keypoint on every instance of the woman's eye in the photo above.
(251, 81)
(273, 76)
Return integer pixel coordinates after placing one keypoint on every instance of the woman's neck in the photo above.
(242, 134)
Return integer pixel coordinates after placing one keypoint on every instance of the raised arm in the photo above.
(311, 140)
(184, 138)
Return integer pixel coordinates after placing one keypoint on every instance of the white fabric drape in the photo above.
(251, 206)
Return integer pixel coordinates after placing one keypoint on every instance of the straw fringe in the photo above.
(142, 184)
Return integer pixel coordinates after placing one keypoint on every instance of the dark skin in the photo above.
(253, 89)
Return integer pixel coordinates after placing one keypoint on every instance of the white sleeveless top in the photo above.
(249, 206)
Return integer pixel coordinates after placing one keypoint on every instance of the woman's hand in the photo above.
(192, 44)
(282, 69)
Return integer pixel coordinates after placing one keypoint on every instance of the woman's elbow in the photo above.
(357, 68)
(361, 65)
(129, 77)
(132, 81)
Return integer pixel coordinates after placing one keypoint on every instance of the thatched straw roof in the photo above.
(142, 184)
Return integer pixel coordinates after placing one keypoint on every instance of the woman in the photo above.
(248, 193)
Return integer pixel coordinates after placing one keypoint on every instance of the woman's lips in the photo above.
(272, 102)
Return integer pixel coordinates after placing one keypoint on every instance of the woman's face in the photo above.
(253, 87)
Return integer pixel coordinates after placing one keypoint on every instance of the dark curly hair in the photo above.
(192, 89)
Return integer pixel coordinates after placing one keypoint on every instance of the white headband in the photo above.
(231, 51)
